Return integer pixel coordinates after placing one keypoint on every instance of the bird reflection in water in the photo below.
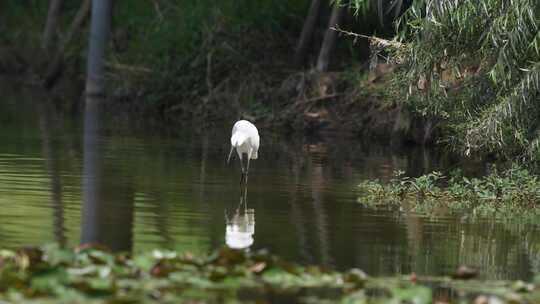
(240, 227)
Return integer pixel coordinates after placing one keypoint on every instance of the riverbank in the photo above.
(182, 62)
(351, 101)
(92, 274)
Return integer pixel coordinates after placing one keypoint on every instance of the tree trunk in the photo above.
(99, 34)
(55, 68)
(92, 173)
(51, 24)
(107, 199)
(307, 32)
(329, 41)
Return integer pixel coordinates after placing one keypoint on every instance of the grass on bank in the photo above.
(508, 194)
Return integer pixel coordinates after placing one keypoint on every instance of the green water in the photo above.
(172, 189)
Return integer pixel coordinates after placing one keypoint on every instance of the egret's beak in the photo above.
(230, 154)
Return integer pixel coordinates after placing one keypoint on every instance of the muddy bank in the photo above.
(329, 101)
(369, 117)
(310, 103)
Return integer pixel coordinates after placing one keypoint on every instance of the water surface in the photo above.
(145, 187)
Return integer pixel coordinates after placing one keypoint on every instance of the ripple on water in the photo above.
(24, 200)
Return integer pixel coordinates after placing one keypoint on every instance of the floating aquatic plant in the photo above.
(88, 274)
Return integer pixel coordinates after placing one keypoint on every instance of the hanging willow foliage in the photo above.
(475, 67)
(385, 9)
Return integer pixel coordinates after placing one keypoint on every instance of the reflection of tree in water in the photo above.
(318, 238)
(172, 200)
(204, 160)
(512, 248)
(51, 156)
(439, 245)
(401, 242)
(296, 165)
(318, 184)
(323, 233)
(108, 191)
(308, 182)
(161, 210)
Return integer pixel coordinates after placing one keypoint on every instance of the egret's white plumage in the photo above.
(240, 229)
(245, 139)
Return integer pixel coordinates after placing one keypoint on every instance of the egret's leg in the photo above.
(242, 167)
(245, 198)
(241, 161)
(247, 170)
(248, 158)
(241, 203)
(230, 154)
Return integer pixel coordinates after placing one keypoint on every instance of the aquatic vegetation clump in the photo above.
(51, 275)
(92, 274)
(514, 192)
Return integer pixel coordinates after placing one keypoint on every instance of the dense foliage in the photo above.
(480, 62)
(473, 68)
(179, 59)
(184, 59)
(469, 69)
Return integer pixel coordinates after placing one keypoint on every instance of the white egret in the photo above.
(245, 139)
